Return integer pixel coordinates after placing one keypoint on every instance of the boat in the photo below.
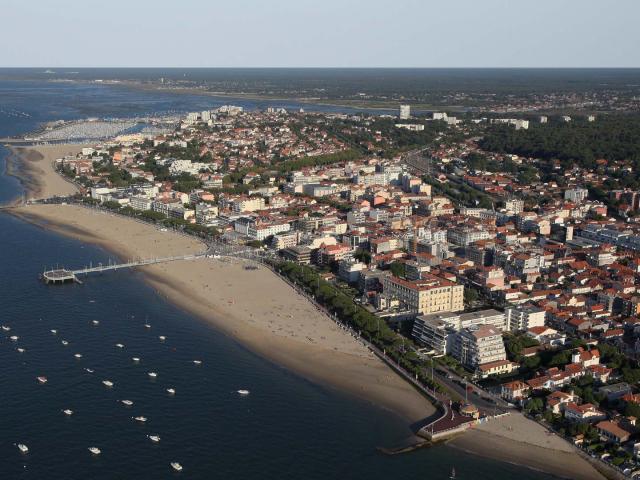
(128, 403)
(176, 466)
(140, 419)
(198, 362)
(68, 412)
(54, 331)
(42, 379)
(88, 370)
(154, 438)
(107, 383)
(162, 338)
(243, 392)
(6, 328)
(95, 450)
(14, 338)
(65, 343)
(146, 325)
(20, 350)
(135, 359)
(152, 374)
(23, 448)
(119, 345)
(78, 355)
(171, 391)
(95, 322)
(453, 473)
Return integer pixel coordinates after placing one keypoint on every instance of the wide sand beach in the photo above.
(263, 313)
(255, 307)
(266, 315)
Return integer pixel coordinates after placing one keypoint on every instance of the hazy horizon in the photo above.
(333, 34)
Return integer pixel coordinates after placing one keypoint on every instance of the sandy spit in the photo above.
(34, 167)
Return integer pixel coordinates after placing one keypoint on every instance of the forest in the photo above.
(613, 137)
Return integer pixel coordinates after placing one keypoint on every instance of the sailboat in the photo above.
(453, 473)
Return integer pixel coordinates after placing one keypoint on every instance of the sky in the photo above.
(322, 33)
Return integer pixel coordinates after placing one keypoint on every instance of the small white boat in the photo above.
(23, 448)
(140, 419)
(171, 391)
(6, 328)
(107, 383)
(14, 338)
(95, 322)
(65, 343)
(176, 466)
(42, 379)
(154, 438)
(78, 355)
(243, 392)
(162, 338)
(128, 403)
(135, 359)
(68, 412)
(55, 332)
(95, 450)
(146, 325)
(198, 362)
(20, 350)
(152, 374)
(88, 370)
(119, 345)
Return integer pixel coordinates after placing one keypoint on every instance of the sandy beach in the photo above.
(33, 165)
(255, 307)
(516, 439)
(263, 313)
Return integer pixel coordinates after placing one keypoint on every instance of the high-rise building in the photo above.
(405, 112)
(478, 345)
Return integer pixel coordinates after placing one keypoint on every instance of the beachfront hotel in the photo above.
(430, 294)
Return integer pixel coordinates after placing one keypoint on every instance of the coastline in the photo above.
(234, 301)
(520, 441)
(277, 323)
(33, 167)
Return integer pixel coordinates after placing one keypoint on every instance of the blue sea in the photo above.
(287, 428)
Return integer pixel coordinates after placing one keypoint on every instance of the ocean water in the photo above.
(286, 428)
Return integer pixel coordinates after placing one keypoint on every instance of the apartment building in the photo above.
(478, 345)
(524, 317)
(436, 331)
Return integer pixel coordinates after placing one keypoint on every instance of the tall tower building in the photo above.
(405, 112)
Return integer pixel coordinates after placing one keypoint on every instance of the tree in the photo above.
(470, 295)
(534, 405)
(398, 269)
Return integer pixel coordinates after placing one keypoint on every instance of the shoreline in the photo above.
(519, 441)
(33, 166)
(310, 344)
(338, 361)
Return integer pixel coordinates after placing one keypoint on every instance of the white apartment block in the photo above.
(524, 317)
(478, 345)
(248, 204)
(576, 195)
(263, 231)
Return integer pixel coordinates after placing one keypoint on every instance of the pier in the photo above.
(63, 275)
